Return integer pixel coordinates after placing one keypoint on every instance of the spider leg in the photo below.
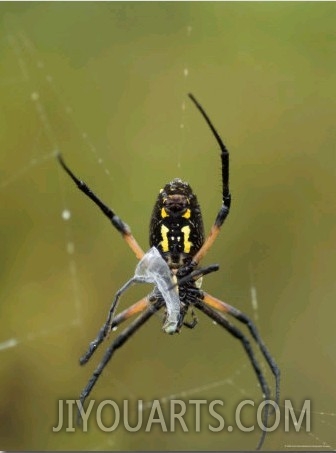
(196, 274)
(226, 196)
(114, 321)
(136, 308)
(226, 308)
(121, 339)
(116, 221)
(234, 331)
(150, 269)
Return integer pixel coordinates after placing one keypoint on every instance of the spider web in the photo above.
(36, 87)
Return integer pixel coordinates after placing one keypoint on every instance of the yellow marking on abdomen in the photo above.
(164, 242)
(187, 244)
(187, 214)
(164, 213)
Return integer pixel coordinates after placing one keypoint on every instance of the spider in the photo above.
(178, 244)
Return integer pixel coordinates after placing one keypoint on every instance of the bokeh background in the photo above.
(106, 84)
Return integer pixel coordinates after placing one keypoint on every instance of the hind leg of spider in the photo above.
(226, 196)
(112, 322)
(235, 332)
(232, 311)
(120, 340)
(116, 221)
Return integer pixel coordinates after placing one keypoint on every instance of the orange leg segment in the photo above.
(223, 307)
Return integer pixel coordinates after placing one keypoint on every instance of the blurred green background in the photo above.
(106, 84)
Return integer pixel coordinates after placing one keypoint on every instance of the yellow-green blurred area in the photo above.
(106, 84)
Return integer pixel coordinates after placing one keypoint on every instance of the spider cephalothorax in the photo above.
(176, 227)
(171, 265)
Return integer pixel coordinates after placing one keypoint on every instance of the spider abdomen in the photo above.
(176, 227)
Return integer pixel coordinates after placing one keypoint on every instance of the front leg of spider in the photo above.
(226, 195)
(116, 221)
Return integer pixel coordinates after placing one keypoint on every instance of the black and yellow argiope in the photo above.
(177, 245)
